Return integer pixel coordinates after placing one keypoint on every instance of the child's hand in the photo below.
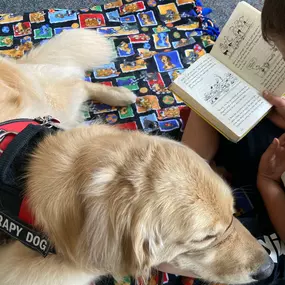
(272, 163)
(277, 116)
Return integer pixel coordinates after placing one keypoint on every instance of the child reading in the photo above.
(258, 160)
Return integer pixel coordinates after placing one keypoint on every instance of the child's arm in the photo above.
(269, 183)
(274, 199)
(201, 137)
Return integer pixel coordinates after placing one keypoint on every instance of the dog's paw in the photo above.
(123, 96)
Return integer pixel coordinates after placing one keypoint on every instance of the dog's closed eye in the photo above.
(206, 238)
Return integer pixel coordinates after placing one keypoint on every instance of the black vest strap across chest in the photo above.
(13, 162)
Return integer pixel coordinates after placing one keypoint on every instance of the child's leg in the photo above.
(201, 137)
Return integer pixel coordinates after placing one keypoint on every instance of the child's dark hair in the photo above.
(273, 19)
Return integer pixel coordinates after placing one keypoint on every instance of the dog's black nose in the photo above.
(264, 271)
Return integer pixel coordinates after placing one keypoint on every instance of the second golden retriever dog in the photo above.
(112, 201)
(49, 80)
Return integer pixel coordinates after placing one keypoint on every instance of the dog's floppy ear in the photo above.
(139, 245)
(118, 235)
(9, 95)
(15, 85)
(9, 82)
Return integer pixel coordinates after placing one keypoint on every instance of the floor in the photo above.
(221, 8)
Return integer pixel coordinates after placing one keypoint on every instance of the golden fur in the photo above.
(112, 201)
(49, 79)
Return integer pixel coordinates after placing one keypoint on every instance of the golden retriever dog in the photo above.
(112, 201)
(49, 79)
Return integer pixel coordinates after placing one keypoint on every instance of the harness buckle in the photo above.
(47, 121)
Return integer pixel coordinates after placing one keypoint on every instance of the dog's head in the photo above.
(18, 91)
(142, 201)
(11, 86)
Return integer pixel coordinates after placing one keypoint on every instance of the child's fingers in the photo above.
(276, 119)
(269, 154)
(276, 101)
(275, 144)
(280, 151)
(280, 156)
(268, 159)
(282, 140)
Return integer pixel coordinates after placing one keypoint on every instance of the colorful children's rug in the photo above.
(155, 41)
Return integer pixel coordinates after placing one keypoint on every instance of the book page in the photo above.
(242, 49)
(223, 94)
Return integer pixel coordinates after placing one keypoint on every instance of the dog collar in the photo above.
(18, 138)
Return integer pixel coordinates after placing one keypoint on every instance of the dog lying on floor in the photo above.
(49, 80)
(111, 201)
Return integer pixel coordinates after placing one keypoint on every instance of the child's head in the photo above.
(273, 23)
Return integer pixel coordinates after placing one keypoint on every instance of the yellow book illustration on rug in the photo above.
(224, 87)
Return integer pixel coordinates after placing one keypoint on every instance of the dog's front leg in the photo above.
(22, 266)
(114, 96)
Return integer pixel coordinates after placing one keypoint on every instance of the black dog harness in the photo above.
(18, 138)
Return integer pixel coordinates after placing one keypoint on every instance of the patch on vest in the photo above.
(25, 235)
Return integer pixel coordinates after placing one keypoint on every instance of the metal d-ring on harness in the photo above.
(3, 134)
(47, 121)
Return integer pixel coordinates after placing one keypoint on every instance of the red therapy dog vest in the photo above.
(18, 138)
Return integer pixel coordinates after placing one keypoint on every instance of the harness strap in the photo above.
(18, 138)
(25, 234)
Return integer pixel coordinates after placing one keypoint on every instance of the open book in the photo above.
(224, 87)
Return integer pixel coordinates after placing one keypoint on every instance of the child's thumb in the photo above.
(276, 101)
(270, 152)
